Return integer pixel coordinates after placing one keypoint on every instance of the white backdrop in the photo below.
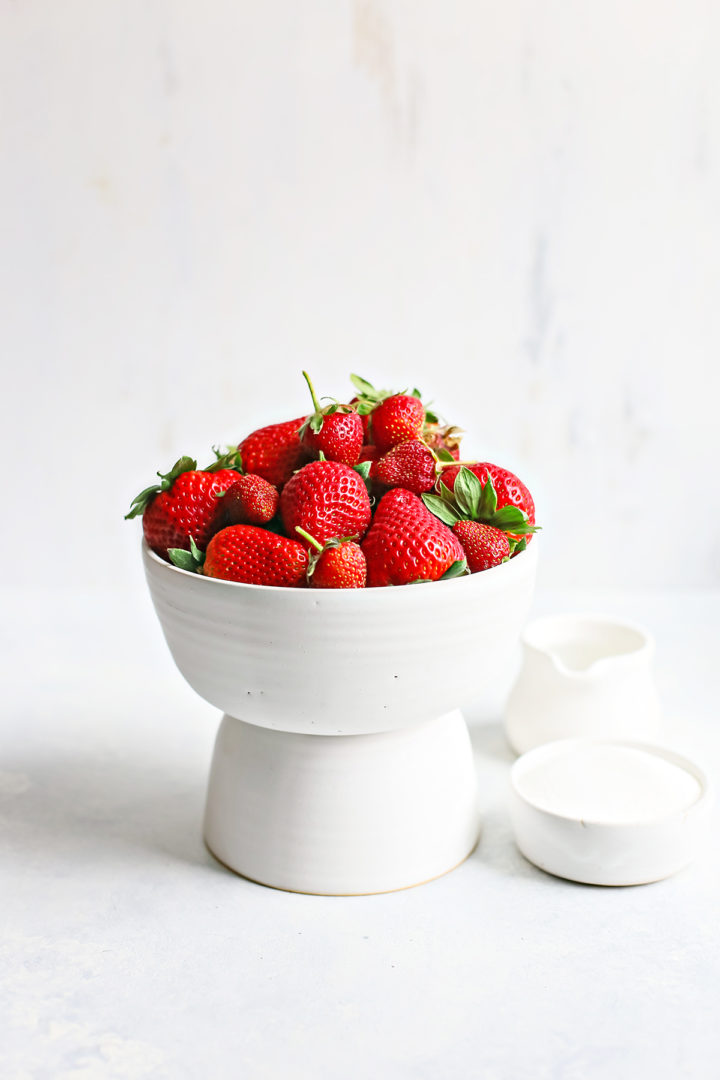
(514, 206)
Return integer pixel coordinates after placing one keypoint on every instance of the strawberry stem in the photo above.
(449, 464)
(311, 388)
(306, 535)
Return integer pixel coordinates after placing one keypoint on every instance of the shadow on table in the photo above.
(84, 811)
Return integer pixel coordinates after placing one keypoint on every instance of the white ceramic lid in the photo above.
(608, 812)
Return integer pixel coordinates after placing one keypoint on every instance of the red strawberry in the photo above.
(369, 453)
(256, 557)
(410, 465)
(407, 543)
(509, 489)
(187, 503)
(274, 452)
(326, 499)
(337, 564)
(335, 431)
(250, 500)
(484, 545)
(397, 419)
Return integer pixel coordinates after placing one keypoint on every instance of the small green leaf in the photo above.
(440, 509)
(445, 455)
(431, 417)
(183, 559)
(463, 490)
(363, 468)
(416, 393)
(512, 519)
(468, 491)
(364, 408)
(446, 493)
(363, 386)
(517, 546)
(316, 422)
(456, 569)
(195, 551)
(488, 502)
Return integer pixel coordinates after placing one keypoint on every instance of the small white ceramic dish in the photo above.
(342, 764)
(583, 675)
(608, 812)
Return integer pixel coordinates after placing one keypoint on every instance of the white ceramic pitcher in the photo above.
(583, 675)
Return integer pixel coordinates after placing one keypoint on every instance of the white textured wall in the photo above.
(515, 206)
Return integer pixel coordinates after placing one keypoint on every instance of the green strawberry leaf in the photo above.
(512, 519)
(364, 408)
(316, 422)
(517, 546)
(456, 569)
(488, 501)
(446, 493)
(431, 417)
(363, 467)
(363, 386)
(468, 491)
(445, 455)
(195, 551)
(225, 459)
(440, 509)
(183, 559)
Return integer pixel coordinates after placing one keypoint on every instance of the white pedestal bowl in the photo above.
(342, 765)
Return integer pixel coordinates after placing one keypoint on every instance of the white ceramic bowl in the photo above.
(634, 846)
(340, 661)
(342, 764)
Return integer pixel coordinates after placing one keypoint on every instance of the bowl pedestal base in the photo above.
(342, 814)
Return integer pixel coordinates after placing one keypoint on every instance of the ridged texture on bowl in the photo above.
(340, 661)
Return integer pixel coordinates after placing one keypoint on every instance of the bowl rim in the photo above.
(485, 575)
(557, 747)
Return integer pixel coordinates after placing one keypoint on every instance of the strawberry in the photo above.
(410, 465)
(406, 543)
(441, 438)
(335, 431)
(337, 564)
(255, 556)
(509, 489)
(274, 452)
(250, 500)
(186, 504)
(397, 419)
(484, 545)
(327, 499)
(369, 453)
(471, 501)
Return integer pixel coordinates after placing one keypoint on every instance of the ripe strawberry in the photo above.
(274, 452)
(250, 500)
(255, 556)
(186, 504)
(326, 499)
(470, 501)
(410, 465)
(406, 543)
(484, 545)
(397, 419)
(337, 564)
(509, 489)
(335, 431)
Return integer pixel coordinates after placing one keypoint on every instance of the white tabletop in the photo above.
(128, 952)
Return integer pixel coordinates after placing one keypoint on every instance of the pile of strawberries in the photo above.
(371, 492)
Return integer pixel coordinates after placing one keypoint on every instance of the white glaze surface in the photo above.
(128, 953)
(607, 782)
